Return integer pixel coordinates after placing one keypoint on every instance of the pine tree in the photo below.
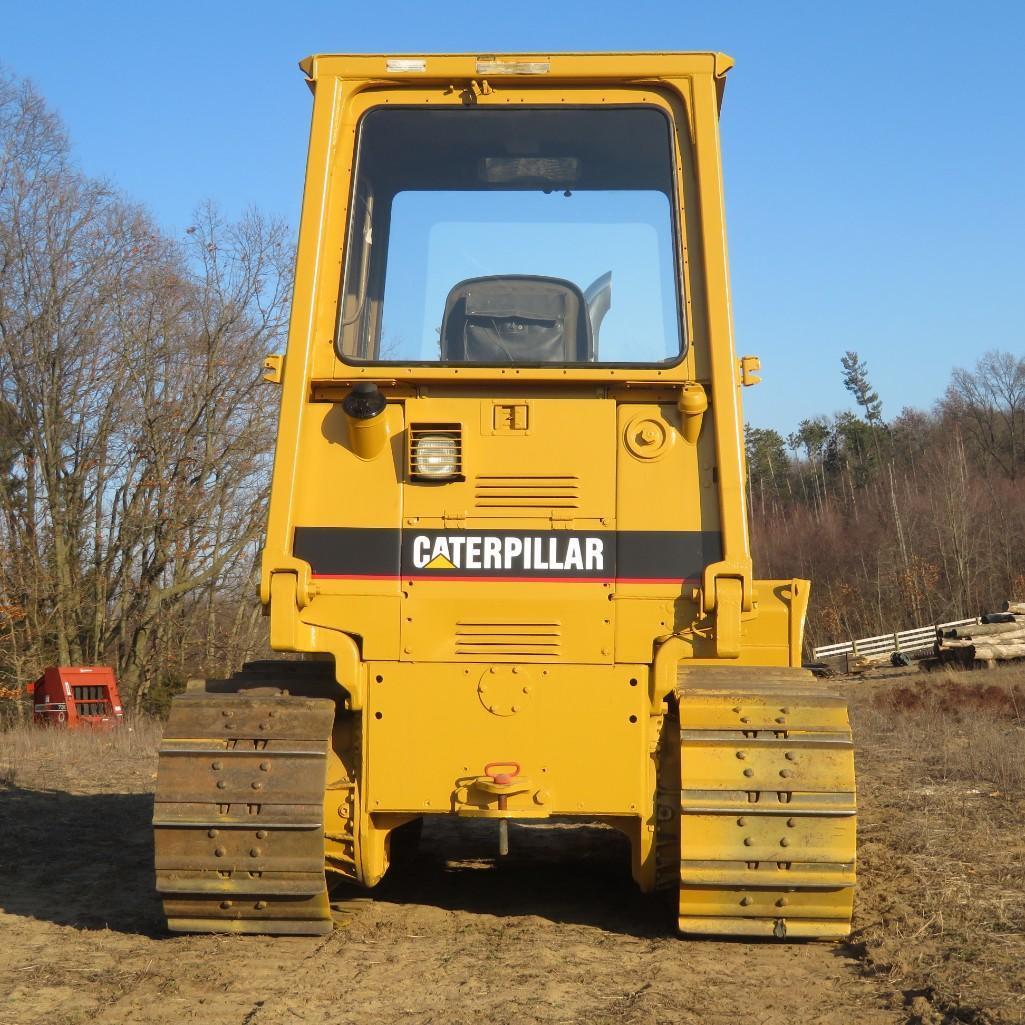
(855, 380)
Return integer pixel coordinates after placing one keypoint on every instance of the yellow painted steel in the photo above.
(574, 681)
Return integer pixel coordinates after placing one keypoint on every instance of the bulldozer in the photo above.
(507, 540)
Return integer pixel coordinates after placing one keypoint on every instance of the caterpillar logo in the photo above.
(512, 554)
(440, 562)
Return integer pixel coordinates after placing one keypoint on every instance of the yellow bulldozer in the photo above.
(507, 528)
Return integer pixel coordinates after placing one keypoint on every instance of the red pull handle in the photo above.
(502, 778)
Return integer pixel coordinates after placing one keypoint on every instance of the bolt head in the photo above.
(782, 902)
(213, 832)
(741, 755)
(785, 773)
(745, 902)
(791, 823)
(225, 904)
(784, 842)
(742, 821)
(219, 852)
(749, 772)
(790, 756)
(261, 834)
(748, 842)
(256, 785)
(254, 852)
(217, 765)
(260, 905)
(264, 766)
(221, 784)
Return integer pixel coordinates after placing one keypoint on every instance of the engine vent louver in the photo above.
(527, 495)
(427, 442)
(520, 640)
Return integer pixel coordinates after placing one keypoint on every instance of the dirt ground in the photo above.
(556, 933)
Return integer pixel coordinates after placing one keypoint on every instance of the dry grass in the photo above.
(941, 848)
(40, 757)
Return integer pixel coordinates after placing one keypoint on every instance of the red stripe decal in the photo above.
(504, 580)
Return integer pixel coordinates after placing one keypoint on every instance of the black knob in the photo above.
(364, 402)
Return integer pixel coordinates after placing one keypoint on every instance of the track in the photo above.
(238, 815)
(767, 805)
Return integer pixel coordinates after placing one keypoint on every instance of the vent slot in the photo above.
(535, 640)
(429, 442)
(509, 494)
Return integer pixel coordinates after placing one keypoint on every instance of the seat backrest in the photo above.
(516, 319)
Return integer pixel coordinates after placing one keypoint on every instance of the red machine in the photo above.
(77, 696)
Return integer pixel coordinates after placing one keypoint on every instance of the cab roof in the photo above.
(595, 67)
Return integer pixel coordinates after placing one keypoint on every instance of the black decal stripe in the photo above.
(666, 554)
(634, 556)
(349, 551)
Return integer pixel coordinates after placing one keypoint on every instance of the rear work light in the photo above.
(435, 452)
(436, 456)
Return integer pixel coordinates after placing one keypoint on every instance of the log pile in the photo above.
(858, 664)
(1000, 637)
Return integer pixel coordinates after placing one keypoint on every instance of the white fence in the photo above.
(884, 644)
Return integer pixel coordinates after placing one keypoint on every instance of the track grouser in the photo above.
(507, 528)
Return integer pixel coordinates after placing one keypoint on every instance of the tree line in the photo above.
(135, 436)
(898, 523)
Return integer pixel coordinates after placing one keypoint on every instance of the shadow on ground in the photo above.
(562, 870)
(84, 860)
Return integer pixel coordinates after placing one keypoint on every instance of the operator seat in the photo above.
(516, 318)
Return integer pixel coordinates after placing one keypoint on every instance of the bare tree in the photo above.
(990, 404)
(134, 439)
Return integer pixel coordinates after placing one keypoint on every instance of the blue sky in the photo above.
(875, 152)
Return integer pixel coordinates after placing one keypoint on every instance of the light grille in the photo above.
(516, 494)
(539, 641)
(417, 435)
